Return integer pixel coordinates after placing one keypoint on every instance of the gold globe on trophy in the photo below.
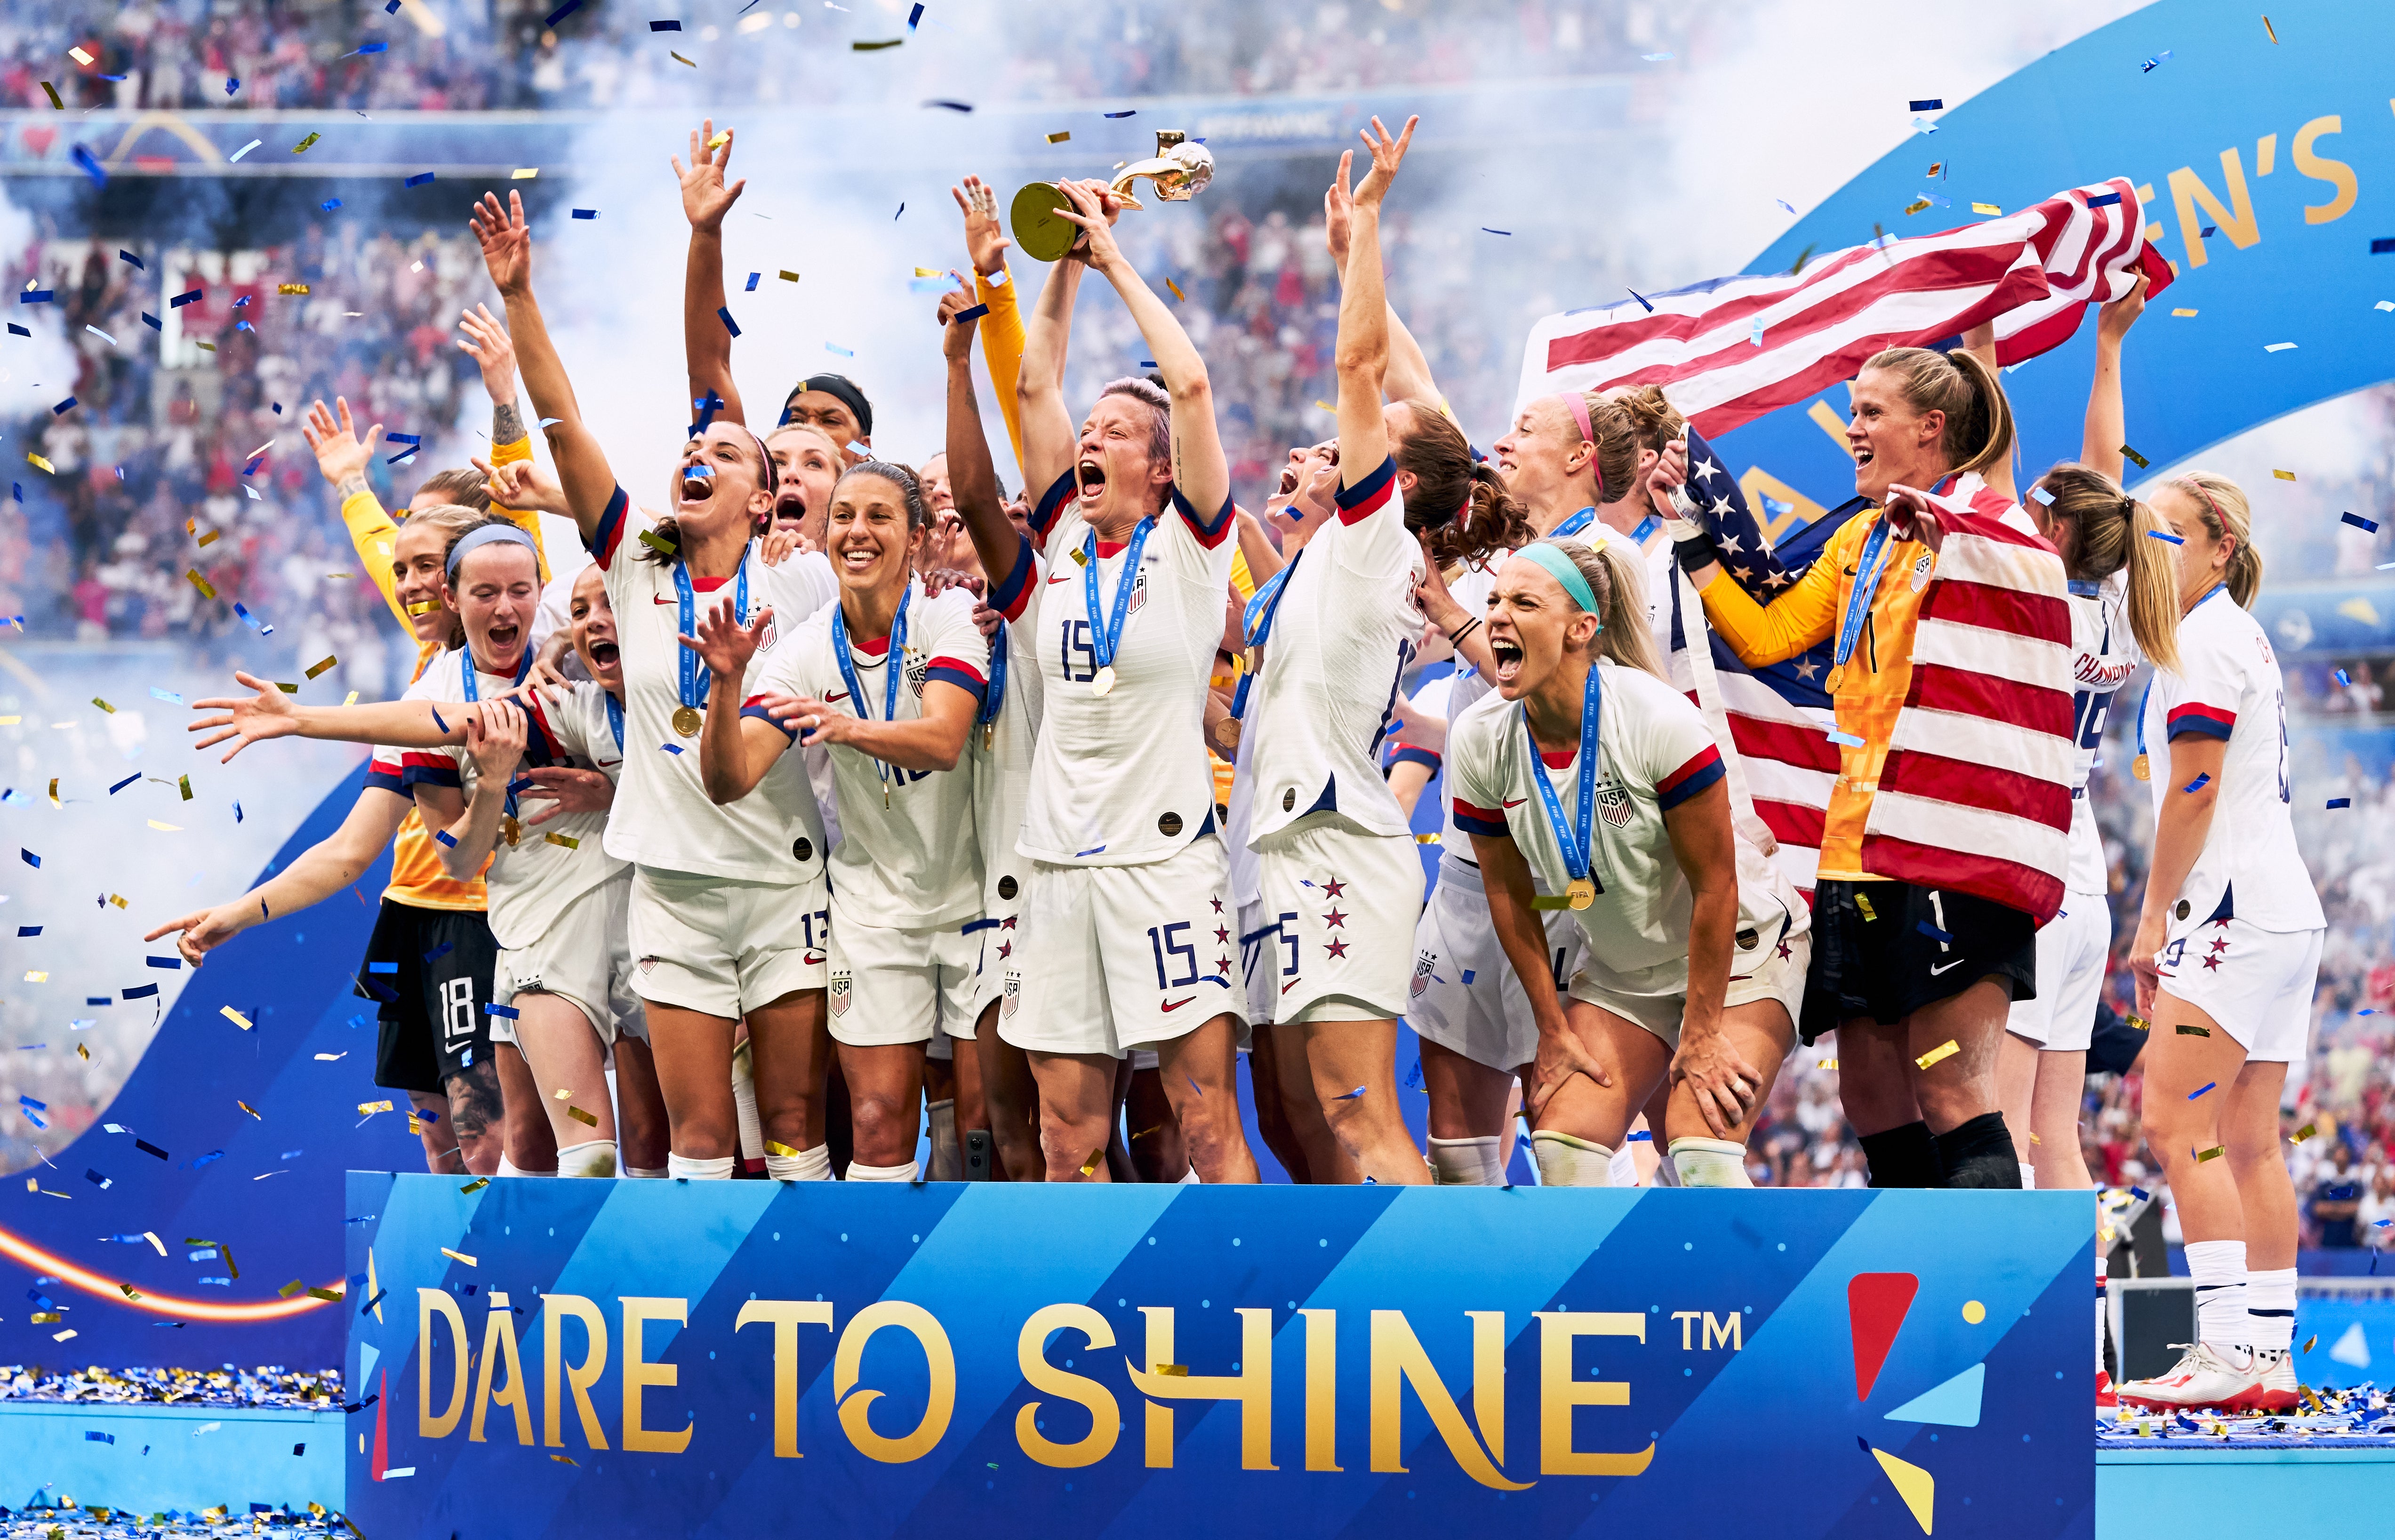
(1180, 170)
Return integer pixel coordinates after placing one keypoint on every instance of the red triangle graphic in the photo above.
(382, 1426)
(1875, 1308)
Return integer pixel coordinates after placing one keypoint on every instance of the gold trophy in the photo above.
(1180, 170)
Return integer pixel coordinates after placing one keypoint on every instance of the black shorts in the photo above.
(1917, 945)
(433, 986)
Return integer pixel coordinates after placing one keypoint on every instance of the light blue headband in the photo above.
(1564, 571)
(483, 536)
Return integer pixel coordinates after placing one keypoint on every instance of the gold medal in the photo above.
(988, 734)
(1582, 893)
(1104, 682)
(2142, 768)
(512, 829)
(687, 720)
(1229, 732)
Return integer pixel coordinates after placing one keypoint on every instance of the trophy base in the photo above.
(1039, 232)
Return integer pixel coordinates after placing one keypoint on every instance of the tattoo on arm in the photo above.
(506, 424)
(352, 483)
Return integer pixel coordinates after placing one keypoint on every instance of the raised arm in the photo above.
(1363, 351)
(343, 458)
(973, 479)
(581, 465)
(1047, 425)
(706, 340)
(486, 343)
(321, 870)
(1407, 376)
(1200, 470)
(1001, 333)
(2108, 420)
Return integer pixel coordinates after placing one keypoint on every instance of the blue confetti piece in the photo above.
(1942, 938)
(252, 621)
(1350, 1096)
(951, 106)
(753, 282)
(1929, 104)
(2207, 1085)
(664, 26)
(1491, 230)
(127, 256)
(670, 747)
(723, 314)
(198, 1161)
(2198, 784)
(1468, 973)
(1642, 1137)
(91, 166)
(96, 1437)
(2356, 520)
(972, 312)
(147, 319)
(392, 9)
(2160, 534)
(63, 408)
(232, 84)
(382, 967)
(178, 302)
(445, 838)
(34, 297)
(914, 17)
(2345, 679)
(372, 47)
(170, 964)
(562, 12)
(243, 150)
(1641, 300)
(31, 859)
(16, 330)
(1133, 112)
(138, 992)
(2336, 802)
(1847, 738)
(2103, 199)
(844, 352)
(420, 179)
(586, 213)
(123, 784)
(2149, 65)
(29, 929)
(507, 1010)
(2044, 498)
(2382, 245)
(404, 438)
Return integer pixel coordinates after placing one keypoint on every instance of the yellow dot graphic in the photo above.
(1974, 1312)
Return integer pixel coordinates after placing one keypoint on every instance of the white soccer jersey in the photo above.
(1655, 752)
(913, 863)
(538, 877)
(2229, 686)
(1122, 778)
(1344, 629)
(798, 587)
(663, 817)
(1471, 590)
(1002, 768)
(2104, 653)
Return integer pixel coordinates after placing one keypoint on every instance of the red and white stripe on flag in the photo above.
(2032, 273)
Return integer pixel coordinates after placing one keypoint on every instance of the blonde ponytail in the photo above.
(2104, 530)
(1617, 576)
(2153, 587)
(1978, 433)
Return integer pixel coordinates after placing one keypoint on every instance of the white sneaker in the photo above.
(2203, 1378)
(2276, 1391)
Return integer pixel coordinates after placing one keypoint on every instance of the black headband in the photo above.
(842, 387)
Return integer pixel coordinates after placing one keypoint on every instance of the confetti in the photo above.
(235, 1017)
(2272, 30)
(2304, 1133)
(301, 147)
(2104, 200)
(581, 1117)
(1917, 206)
(2336, 802)
(477, 1185)
(2134, 457)
(1986, 208)
(1847, 738)
(2189, 1029)
(2198, 784)
(951, 106)
(586, 213)
(1490, 230)
(459, 1257)
(53, 92)
(2277, 347)
(774, 1147)
(568, 841)
(788, 278)
(319, 667)
(1642, 300)
(1932, 104)
(1098, 1154)
(370, 1109)
(2358, 522)
(669, 26)
(562, 12)
(2166, 536)
(914, 18)
(1938, 1055)
(723, 314)
(1128, 113)
(2213, 1154)
(972, 312)
(1941, 937)
(1060, 138)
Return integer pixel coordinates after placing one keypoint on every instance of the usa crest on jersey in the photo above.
(840, 992)
(1014, 996)
(1423, 963)
(1613, 805)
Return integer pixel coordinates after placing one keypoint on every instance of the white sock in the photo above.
(1466, 1163)
(1666, 1173)
(509, 1168)
(807, 1165)
(2218, 1269)
(1710, 1163)
(2029, 1177)
(684, 1169)
(651, 1174)
(744, 1100)
(859, 1171)
(948, 1157)
(590, 1158)
(1622, 1170)
(2270, 1308)
(1566, 1161)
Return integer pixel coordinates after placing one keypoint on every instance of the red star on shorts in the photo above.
(1335, 946)
(1223, 966)
(1783, 946)
(2212, 963)
(1006, 949)
(1221, 936)
(2222, 922)
(1335, 888)
(1218, 906)
(1334, 918)
(1007, 923)
(2219, 944)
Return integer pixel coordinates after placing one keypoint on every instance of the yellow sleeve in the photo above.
(1763, 635)
(371, 532)
(508, 454)
(1001, 349)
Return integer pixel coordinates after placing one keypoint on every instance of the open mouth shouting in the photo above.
(1093, 477)
(604, 653)
(696, 485)
(790, 505)
(1507, 653)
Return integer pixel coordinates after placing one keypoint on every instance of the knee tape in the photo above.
(947, 1159)
(859, 1171)
(1566, 1161)
(683, 1168)
(1466, 1163)
(509, 1168)
(1710, 1163)
(591, 1158)
(807, 1165)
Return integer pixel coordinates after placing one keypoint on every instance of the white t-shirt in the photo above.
(1343, 632)
(535, 881)
(663, 817)
(803, 584)
(2104, 653)
(1654, 752)
(913, 864)
(1122, 779)
(2229, 686)
(1003, 769)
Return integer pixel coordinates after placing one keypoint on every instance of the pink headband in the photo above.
(1578, 402)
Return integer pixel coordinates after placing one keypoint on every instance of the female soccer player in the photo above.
(1592, 771)
(890, 682)
(728, 910)
(1127, 914)
(2124, 611)
(1940, 858)
(2228, 950)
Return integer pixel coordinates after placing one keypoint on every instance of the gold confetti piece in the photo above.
(1829, 1064)
(290, 288)
(333, 1295)
(658, 543)
(103, 705)
(1864, 904)
(81, 57)
(568, 841)
(523, 173)
(130, 1292)
(295, 1286)
(1985, 209)
(2304, 1133)
(2312, 1344)
(459, 1257)
(2187, 1029)
(2035, 1140)
(2213, 1154)
(370, 1109)
(789, 277)
(2284, 475)
(424, 608)
(581, 1117)
(37, 976)
(2182, 312)
(1061, 138)
(207, 346)
(875, 47)
(54, 792)
(38, 463)
(166, 827)
(116, 898)
(566, 1459)
(1917, 206)
(235, 1017)
(184, 785)
(207, 589)
(774, 1147)
(301, 147)
(1426, 838)
(930, 272)
(83, 1053)
(1938, 1055)
(1178, 1370)
(319, 667)
(678, 59)
(53, 92)
(246, 1108)
(351, 700)
(2272, 30)
(2141, 1023)
(1176, 291)
(46, 1318)
(722, 137)
(2135, 458)
(1091, 1163)
(477, 1185)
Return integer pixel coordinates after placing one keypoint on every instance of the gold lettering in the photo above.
(1559, 1393)
(847, 1362)
(1732, 1331)
(1030, 1357)
(1251, 1388)
(2265, 155)
(429, 1303)
(786, 1316)
(582, 1376)
(1757, 483)
(1687, 1320)
(1398, 1359)
(2321, 168)
(1321, 1390)
(500, 1340)
(640, 1373)
(2236, 219)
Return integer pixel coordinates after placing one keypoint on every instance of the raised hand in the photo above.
(486, 343)
(341, 455)
(574, 790)
(248, 719)
(955, 338)
(506, 240)
(725, 645)
(1669, 474)
(705, 199)
(1095, 213)
(1387, 156)
(496, 736)
(2113, 321)
(1338, 209)
(204, 930)
(523, 486)
(985, 238)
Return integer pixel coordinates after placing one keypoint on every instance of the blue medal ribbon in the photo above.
(1578, 858)
(1255, 625)
(615, 720)
(1573, 526)
(466, 673)
(1859, 604)
(693, 680)
(894, 662)
(1646, 526)
(995, 697)
(1105, 638)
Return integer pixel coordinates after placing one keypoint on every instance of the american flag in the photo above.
(1730, 350)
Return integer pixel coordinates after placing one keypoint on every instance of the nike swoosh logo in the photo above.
(1956, 964)
(1066, 578)
(814, 959)
(1518, 802)
(1290, 984)
(1178, 1004)
(830, 698)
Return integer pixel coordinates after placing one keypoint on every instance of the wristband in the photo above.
(1455, 638)
(1696, 553)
